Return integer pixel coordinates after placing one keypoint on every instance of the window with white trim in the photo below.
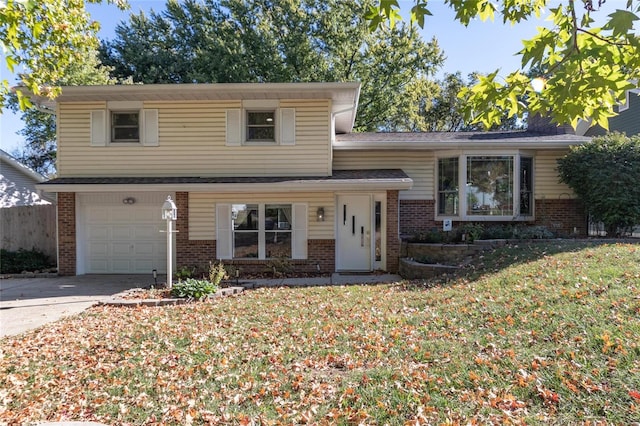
(125, 126)
(262, 231)
(260, 123)
(261, 126)
(496, 187)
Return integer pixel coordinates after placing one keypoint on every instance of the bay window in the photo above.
(496, 187)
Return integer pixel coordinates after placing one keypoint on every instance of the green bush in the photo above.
(194, 289)
(185, 272)
(532, 233)
(604, 173)
(471, 231)
(497, 232)
(15, 262)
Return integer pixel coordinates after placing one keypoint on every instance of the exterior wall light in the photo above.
(128, 200)
(320, 214)
(170, 214)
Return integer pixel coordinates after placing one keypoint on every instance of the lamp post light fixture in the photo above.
(170, 214)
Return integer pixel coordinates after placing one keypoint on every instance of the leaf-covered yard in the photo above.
(547, 333)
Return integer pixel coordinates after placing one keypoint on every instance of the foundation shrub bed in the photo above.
(470, 232)
(15, 262)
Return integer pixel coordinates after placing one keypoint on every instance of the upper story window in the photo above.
(260, 122)
(125, 126)
(496, 187)
(261, 126)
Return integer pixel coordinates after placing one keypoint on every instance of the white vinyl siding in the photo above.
(193, 142)
(419, 165)
(546, 180)
(203, 206)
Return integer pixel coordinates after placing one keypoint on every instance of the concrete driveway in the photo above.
(28, 303)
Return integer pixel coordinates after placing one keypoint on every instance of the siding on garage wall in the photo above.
(547, 185)
(192, 143)
(419, 165)
(202, 211)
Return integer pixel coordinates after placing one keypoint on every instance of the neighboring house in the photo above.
(628, 119)
(265, 171)
(18, 184)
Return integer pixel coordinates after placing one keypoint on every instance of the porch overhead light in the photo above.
(320, 214)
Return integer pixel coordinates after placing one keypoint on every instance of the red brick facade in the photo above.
(393, 238)
(564, 217)
(417, 216)
(67, 233)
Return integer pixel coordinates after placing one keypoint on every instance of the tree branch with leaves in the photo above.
(585, 69)
(41, 39)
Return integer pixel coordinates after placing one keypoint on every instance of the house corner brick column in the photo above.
(393, 238)
(67, 233)
(182, 226)
(191, 253)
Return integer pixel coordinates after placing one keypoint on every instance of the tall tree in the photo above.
(587, 69)
(219, 41)
(39, 131)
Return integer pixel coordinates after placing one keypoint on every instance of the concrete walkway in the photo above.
(28, 303)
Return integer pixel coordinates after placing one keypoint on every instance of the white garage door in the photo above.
(124, 239)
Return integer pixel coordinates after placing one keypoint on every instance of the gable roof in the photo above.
(343, 96)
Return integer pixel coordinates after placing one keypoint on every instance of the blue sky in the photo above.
(482, 46)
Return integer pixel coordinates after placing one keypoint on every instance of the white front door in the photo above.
(354, 220)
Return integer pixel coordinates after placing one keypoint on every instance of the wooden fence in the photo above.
(29, 227)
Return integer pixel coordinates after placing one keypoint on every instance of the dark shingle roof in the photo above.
(516, 136)
(338, 175)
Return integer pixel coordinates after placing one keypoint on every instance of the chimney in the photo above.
(543, 125)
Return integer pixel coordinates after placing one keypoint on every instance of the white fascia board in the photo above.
(245, 188)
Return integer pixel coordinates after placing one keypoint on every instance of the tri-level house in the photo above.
(272, 171)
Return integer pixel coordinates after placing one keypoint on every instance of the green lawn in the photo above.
(547, 333)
